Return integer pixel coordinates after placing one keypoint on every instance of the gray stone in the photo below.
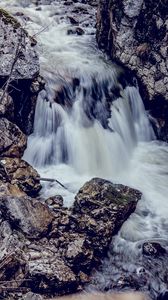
(12, 140)
(19, 173)
(12, 37)
(27, 214)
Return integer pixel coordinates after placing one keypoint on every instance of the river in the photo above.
(90, 122)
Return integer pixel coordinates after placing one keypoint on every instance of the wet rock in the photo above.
(19, 173)
(12, 140)
(163, 296)
(78, 31)
(153, 249)
(73, 20)
(6, 106)
(27, 214)
(134, 33)
(102, 207)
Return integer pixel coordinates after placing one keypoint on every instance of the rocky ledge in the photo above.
(135, 34)
(51, 250)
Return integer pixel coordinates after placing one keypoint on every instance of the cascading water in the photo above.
(86, 124)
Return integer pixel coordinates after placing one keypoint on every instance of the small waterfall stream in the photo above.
(88, 124)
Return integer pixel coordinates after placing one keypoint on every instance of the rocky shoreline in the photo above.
(51, 250)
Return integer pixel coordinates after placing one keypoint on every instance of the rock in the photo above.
(29, 215)
(25, 82)
(102, 208)
(9, 189)
(106, 296)
(163, 296)
(55, 201)
(52, 276)
(6, 106)
(153, 249)
(13, 262)
(12, 35)
(73, 20)
(77, 30)
(12, 140)
(78, 253)
(134, 33)
(19, 173)
(59, 247)
(32, 296)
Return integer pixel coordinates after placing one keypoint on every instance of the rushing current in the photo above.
(88, 123)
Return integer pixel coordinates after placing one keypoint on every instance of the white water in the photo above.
(71, 145)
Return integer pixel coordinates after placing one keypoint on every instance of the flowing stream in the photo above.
(90, 123)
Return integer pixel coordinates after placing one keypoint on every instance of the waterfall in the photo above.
(88, 139)
(88, 124)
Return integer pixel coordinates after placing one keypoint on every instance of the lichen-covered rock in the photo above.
(29, 215)
(19, 173)
(135, 33)
(12, 140)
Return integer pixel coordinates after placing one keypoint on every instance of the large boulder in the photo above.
(101, 208)
(12, 140)
(135, 34)
(19, 173)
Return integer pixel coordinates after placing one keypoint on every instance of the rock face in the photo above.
(134, 33)
(12, 36)
(19, 70)
(52, 249)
